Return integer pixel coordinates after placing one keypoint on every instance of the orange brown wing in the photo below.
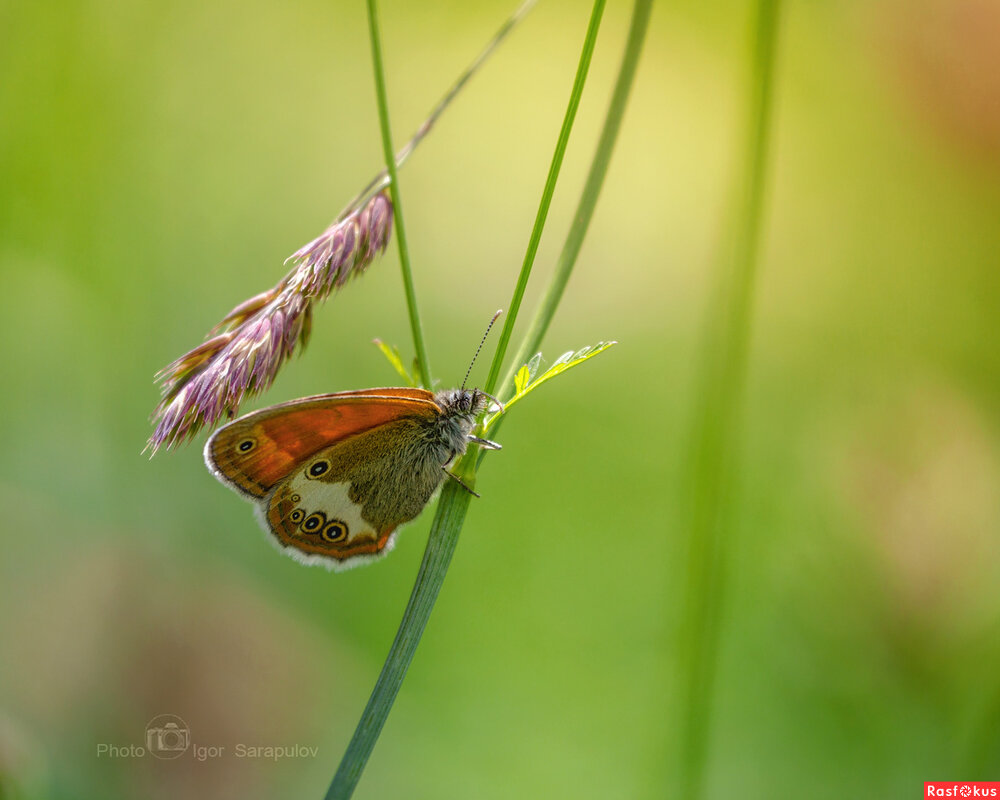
(342, 506)
(257, 451)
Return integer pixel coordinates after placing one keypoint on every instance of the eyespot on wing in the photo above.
(257, 451)
(323, 528)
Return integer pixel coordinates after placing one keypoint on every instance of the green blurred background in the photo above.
(157, 164)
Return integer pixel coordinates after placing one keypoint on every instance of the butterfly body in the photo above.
(334, 476)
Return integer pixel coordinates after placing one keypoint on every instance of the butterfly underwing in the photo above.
(333, 476)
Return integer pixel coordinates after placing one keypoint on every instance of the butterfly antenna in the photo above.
(481, 343)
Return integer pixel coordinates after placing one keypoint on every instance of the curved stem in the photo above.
(423, 363)
(550, 188)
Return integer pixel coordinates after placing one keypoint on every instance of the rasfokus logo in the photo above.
(962, 789)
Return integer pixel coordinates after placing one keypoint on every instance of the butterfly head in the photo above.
(468, 403)
(459, 408)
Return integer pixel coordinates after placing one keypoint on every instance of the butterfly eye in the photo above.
(246, 445)
(335, 531)
(297, 515)
(314, 522)
(318, 468)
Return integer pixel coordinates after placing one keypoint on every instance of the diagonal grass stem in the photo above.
(588, 199)
(443, 538)
(550, 187)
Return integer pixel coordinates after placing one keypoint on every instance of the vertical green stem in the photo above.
(550, 187)
(716, 427)
(423, 363)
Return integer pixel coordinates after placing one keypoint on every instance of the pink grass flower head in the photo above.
(246, 349)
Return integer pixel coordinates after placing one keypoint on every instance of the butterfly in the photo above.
(333, 476)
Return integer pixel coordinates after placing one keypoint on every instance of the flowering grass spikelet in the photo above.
(245, 351)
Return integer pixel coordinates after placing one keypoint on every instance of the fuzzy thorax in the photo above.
(459, 407)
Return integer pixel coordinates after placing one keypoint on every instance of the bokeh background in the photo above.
(158, 161)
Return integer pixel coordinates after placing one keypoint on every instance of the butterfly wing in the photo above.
(255, 452)
(343, 505)
(333, 476)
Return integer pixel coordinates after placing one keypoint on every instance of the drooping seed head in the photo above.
(248, 347)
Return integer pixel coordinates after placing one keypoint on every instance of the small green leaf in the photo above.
(522, 379)
(394, 358)
(525, 380)
(533, 365)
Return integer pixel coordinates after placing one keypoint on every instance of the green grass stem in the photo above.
(380, 181)
(451, 511)
(423, 362)
(716, 430)
(454, 502)
(552, 296)
(588, 199)
(547, 192)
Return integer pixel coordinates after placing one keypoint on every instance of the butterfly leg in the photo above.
(461, 483)
(496, 402)
(486, 444)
